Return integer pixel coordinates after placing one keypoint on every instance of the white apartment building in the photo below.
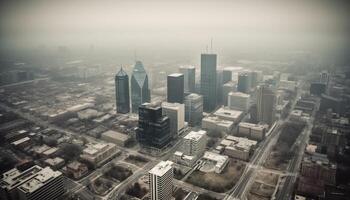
(161, 181)
(238, 101)
(176, 114)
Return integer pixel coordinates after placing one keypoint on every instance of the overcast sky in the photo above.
(138, 24)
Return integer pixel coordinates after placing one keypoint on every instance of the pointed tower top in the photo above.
(121, 72)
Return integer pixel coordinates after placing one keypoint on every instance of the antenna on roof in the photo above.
(211, 45)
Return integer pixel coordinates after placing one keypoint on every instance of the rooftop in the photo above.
(195, 135)
(161, 168)
(253, 126)
(228, 113)
(176, 75)
(239, 94)
(116, 135)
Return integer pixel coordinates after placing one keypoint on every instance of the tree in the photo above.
(71, 151)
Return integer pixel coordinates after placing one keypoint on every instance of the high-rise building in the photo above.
(161, 181)
(243, 83)
(194, 143)
(194, 109)
(226, 89)
(176, 88)
(238, 101)
(219, 85)
(208, 81)
(266, 104)
(31, 184)
(176, 114)
(154, 128)
(122, 92)
(189, 73)
(254, 78)
(226, 75)
(324, 77)
(140, 92)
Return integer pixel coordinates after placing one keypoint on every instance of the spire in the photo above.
(121, 72)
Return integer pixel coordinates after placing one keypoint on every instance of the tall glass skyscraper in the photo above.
(122, 92)
(140, 92)
(266, 104)
(208, 81)
(175, 87)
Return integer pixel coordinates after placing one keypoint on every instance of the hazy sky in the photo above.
(138, 24)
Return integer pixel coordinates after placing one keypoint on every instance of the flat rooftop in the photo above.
(195, 135)
(228, 113)
(161, 168)
(175, 74)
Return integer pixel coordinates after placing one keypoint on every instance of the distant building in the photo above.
(161, 181)
(176, 114)
(329, 102)
(229, 114)
(252, 131)
(219, 87)
(99, 153)
(266, 104)
(154, 128)
(122, 92)
(243, 83)
(115, 137)
(33, 183)
(324, 77)
(194, 109)
(226, 75)
(140, 92)
(175, 88)
(55, 163)
(208, 81)
(226, 89)
(189, 73)
(287, 85)
(238, 101)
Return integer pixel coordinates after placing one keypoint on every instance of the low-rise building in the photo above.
(115, 137)
(30, 184)
(238, 147)
(229, 114)
(220, 161)
(215, 123)
(21, 143)
(252, 131)
(238, 101)
(77, 169)
(55, 163)
(99, 153)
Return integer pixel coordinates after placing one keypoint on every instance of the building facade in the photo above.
(243, 83)
(175, 88)
(176, 114)
(161, 181)
(140, 92)
(238, 101)
(208, 81)
(194, 109)
(266, 104)
(122, 92)
(189, 73)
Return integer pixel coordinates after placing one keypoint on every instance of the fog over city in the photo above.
(175, 100)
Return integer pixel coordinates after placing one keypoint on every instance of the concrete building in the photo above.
(226, 75)
(217, 124)
(176, 114)
(194, 109)
(243, 83)
(229, 114)
(252, 131)
(115, 137)
(77, 169)
(161, 181)
(266, 104)
(238, 147)
(219, 161)
(194, 143)
(189, 73)
(55, 163)
(32, 184)
(175, 88)
(226, 89)
(208, 81)
(99, 153)
(287, 85)
(238, 101)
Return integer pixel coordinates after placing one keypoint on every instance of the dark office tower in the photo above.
(208, 81)
(176, 88)
(189, 73)
(219, 85)
(154, 128)
(140, 92)
(226, 75)
(243, 83)
(122, 92)
(265, 103)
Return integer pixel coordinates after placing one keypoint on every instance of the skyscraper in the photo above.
(189, 73)
(266, 100)
(160, 180)
(243, 83)
(154, 128)
(175, 88)
(122, 92)
(194, 109)
(226, 75)
(140, 92)
(208, 81)
(176, 114)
